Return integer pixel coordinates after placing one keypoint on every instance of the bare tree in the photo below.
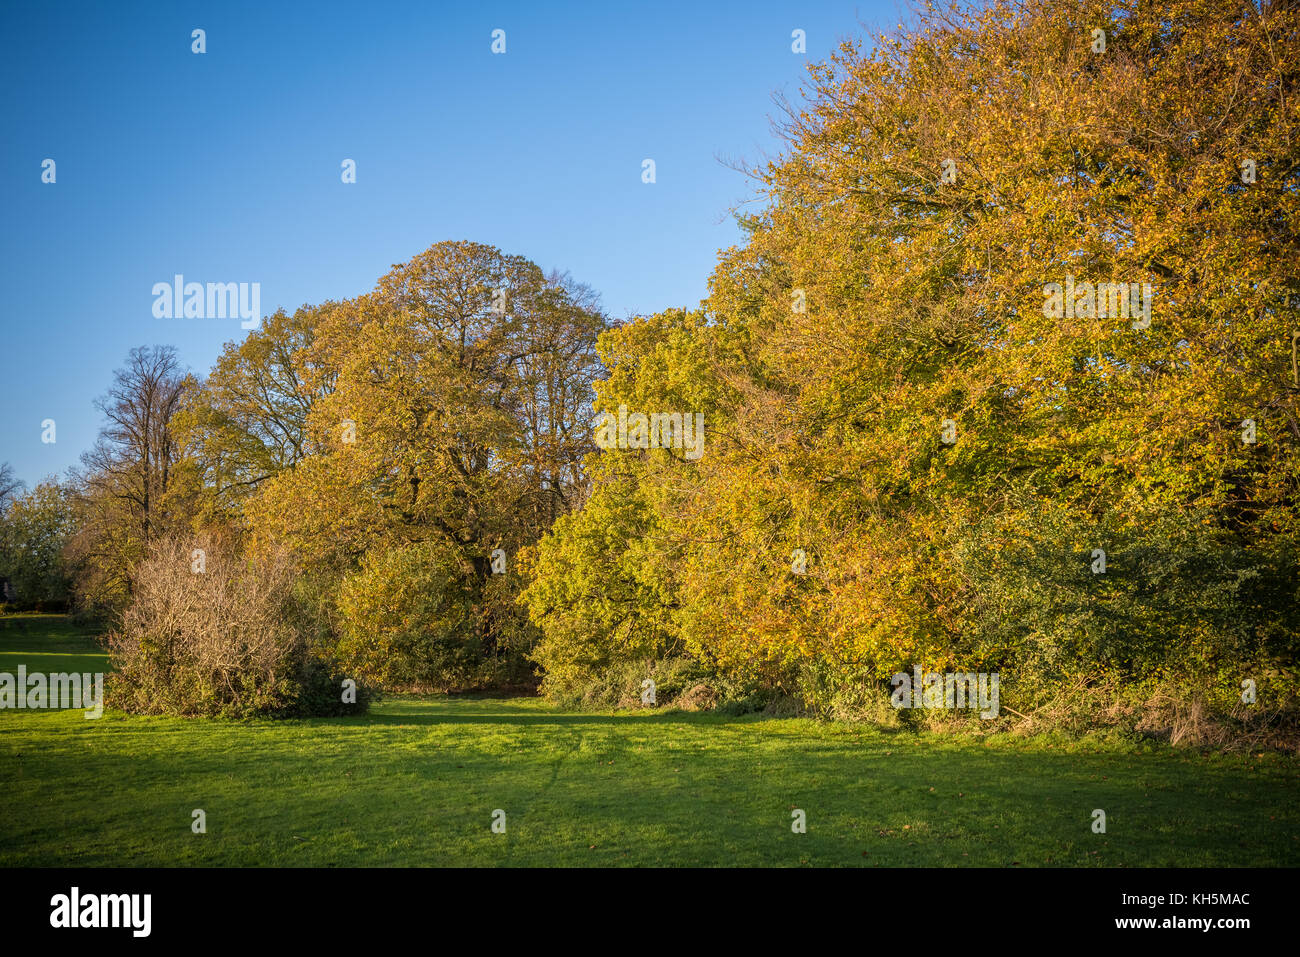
(127, 474)
(10, 485)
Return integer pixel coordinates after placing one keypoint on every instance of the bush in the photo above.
(416, 616)
(680, 682)
(1180, 599)
(211, 632)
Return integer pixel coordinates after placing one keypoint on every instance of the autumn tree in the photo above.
(900, 399)
(452, 431)
(248, 421)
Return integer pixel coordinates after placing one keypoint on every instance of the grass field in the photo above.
(416, 783)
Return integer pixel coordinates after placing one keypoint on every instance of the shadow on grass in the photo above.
(531, 712)
(327, 799)
(436, 717)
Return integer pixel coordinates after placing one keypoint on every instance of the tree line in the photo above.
(913, 456)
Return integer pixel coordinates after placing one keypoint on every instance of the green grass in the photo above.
(416, 781)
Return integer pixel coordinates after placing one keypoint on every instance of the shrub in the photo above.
(680, 682)
(415, 615)
(212, 632)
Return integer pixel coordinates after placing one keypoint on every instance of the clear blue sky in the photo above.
(225, 167)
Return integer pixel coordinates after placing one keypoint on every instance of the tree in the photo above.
(451, 414)
(891, 381)
(34, 530)
(125, 487)
(10, 485)
(248, 420)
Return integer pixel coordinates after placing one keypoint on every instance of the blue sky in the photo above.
(225, 166)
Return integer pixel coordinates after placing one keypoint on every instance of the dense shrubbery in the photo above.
(410, 617)
(1181, 600)
(212, 632)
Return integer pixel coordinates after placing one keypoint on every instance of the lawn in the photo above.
(416, 782)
